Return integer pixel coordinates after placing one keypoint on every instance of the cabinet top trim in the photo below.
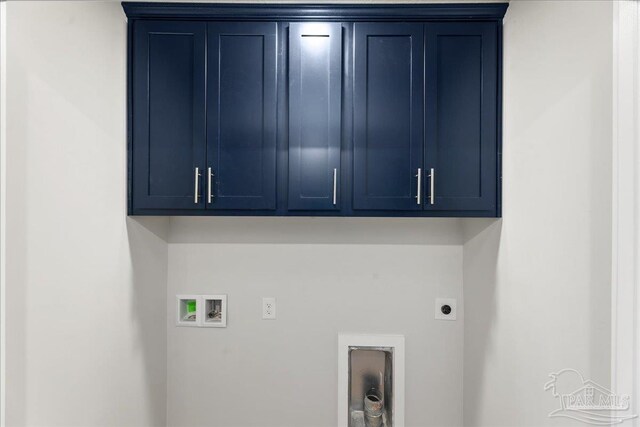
(315, 12)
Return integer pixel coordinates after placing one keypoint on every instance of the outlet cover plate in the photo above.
(268, 308)
(451, 302)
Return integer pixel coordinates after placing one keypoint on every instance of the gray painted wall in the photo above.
(329, 276)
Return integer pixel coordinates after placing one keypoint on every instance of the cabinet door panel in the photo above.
(460, 122)
(241, 115)
(387, 115)
(315, 87)
(169, 111)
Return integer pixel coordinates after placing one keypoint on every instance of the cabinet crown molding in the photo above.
(315, 12)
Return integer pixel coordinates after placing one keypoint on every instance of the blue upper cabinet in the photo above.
(323, 110)
(241, 116)
(461, 117)
(387, 140)
(315, 88)
(168, 129)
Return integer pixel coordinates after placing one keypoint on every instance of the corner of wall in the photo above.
(3, 180)
(479, 269)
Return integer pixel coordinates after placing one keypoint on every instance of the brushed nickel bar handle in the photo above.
(335, 187)
(419, 195)
(196, 193)
(209, 188)
(432, 182)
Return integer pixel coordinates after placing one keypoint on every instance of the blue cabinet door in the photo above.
(461, 116)
(315, 87)
(388, 115)
(168, 129)
(241, 116)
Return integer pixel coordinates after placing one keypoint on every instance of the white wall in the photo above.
(537, 283)
(86, 335)
(329, 276)
(89, 341)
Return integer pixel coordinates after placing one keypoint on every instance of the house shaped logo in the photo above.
(585, 400)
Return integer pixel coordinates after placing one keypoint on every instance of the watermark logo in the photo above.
(585, 400)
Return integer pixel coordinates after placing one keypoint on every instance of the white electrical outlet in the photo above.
(446, 309)
(269, 308)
